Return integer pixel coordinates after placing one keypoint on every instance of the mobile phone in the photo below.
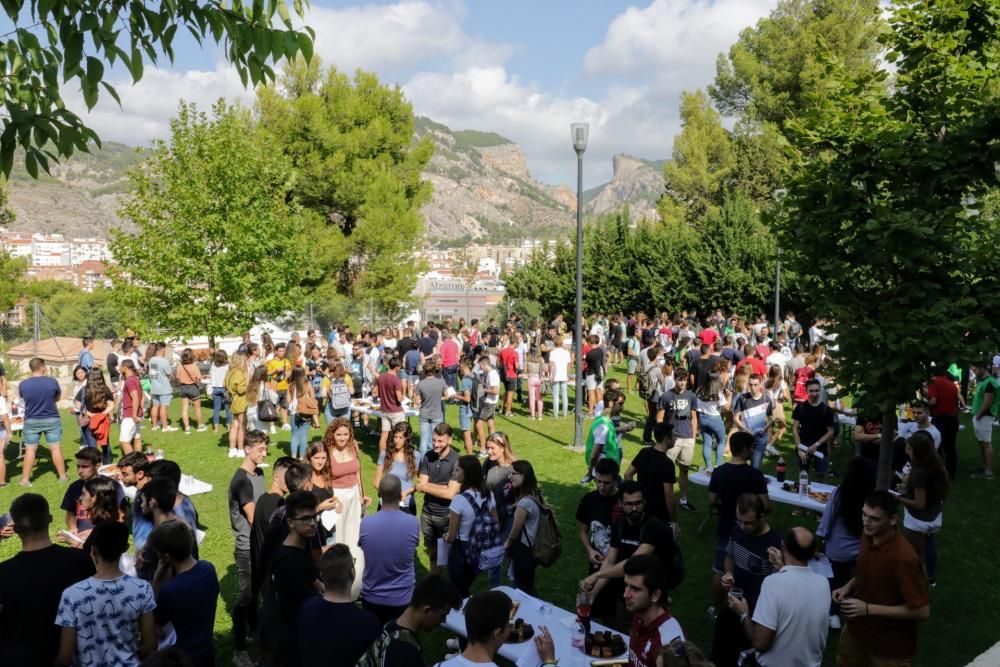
(4, 520)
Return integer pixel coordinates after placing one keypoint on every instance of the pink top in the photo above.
(449, 353)
(344, 475)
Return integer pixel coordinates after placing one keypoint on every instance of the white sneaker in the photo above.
(835, 623)
(202, 428)
(771, 451)
(286, 427)
(170, 429)
(272, 429)
(452, 644)
(234, 453)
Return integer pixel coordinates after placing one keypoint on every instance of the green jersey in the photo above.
(988, 385)
(611, 448)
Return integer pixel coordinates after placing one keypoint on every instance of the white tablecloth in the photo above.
(537, 612)
(375, 412)
(778, 494)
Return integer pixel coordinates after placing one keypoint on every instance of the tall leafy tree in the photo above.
(702, 165)
(357, 169)
(83, 37)
(11, 273)
(881, 217)
(215, 243)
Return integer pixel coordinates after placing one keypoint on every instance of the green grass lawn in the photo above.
(964, 615)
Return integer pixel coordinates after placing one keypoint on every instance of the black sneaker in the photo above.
(587, 479)
(686, 505)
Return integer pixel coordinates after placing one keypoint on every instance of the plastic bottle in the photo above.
(803, 484)
(780, 469)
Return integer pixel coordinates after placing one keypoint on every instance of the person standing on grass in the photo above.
(430, 395)
(189, 376)
(31, 584)
(656, 475)
(160, 372)
(596, 513)
(473, 497)
(468, 410)
(217, 375)
(41, 417)
(389, 540)
(559, 363)
(676, 409)
(747, 563)
(398, 644)
(438, 486)
(187, 591)
(984, 411)
(788, 626)
(813, 428)
(279, 370)
(753, 414)
(236, 384)
(887, 597)
(524, 528)
(389, 390)
(130, 430)
(944, 399)
(489, 397)
(106, 619)
(245, 488)
(925, 490)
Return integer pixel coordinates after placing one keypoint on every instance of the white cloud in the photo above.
(148, 106)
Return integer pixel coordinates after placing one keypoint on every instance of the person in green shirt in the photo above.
(984, 411)
(602, 439)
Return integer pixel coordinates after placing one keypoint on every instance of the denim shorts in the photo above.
(35, 428)
(464, 418)
(161, 399)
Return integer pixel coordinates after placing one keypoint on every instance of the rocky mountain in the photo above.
(483, 191)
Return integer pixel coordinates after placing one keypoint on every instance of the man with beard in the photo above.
(636, 534)
(653, 627)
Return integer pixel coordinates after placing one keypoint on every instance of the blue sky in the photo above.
(523, 69)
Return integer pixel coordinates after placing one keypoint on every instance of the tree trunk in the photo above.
(884, 479)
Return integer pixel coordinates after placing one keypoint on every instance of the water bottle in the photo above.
(803, 484)
(780, 469)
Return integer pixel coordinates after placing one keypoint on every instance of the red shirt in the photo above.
(508, 357)
(645, 641)
(708, 336)
(946, 393)
(131, 384)
(449, 353)
(758, 366)
(388, 384)
(802, 376)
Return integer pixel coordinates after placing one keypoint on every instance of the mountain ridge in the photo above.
(484, 191)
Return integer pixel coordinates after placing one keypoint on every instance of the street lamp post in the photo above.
(778, 194)
(579, 132)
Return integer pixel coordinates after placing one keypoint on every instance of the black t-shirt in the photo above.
(334, 633)
(405, 344)
(653, 470)
(293, 575)
(627, 538)
(395, 646)
(426, 345)
(111, 363)
(813, 421)
(548, 344)
(749, 554)
(702, 368)
(31, 585)
(595, 362)
(677, 409)
(599, 513)
(438, 471)
(730, 481)
(263, 510)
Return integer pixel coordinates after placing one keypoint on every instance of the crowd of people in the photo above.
(307, 543)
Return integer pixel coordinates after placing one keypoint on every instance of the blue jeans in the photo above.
(713, 436)
(218, 400)
(449, 375)
(759, 448)
(426, 433)
(300, 435)
(560, 389)
(332, 414)
(87, 437)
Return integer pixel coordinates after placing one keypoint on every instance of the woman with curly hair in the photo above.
(345, 480)
(400, 460)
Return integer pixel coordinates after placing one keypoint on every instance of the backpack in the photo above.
(484, 550)
(676, 572)
(547, 546)
(647, 390)
(477, 392)
(357, 374)
(340, 395)
(794, 329)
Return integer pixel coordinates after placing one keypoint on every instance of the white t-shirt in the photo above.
(559, 359)
(906, 429)
(218, 375)
(795, 603)
(776, 359)
(492, 380)
(461, 507)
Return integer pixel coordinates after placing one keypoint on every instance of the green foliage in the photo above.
(216, 243)
(357, 169)
(83, 37)
(876, 218)
(702, 165)
(477, 139)
(725, 261)
(11, 272)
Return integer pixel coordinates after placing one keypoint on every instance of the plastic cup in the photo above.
(736, 593)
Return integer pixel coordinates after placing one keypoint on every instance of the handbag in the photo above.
(307, 405)
(267, 411)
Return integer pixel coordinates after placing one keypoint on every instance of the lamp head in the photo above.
(579, 133)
